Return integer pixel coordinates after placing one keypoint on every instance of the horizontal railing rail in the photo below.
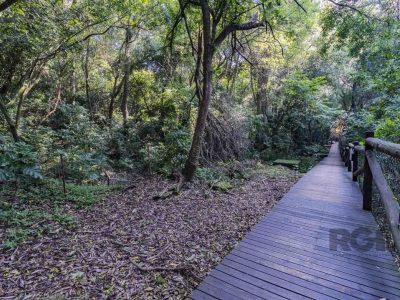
(372, 173)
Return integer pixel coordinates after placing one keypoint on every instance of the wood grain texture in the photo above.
(290, 253)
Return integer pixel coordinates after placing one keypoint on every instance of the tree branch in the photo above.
(236, 27)
(350, 7)
(6, 4)
(301, 6)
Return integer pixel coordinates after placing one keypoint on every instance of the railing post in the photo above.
(367, 184)
(355, 160)
(346, 155)
(349, 165)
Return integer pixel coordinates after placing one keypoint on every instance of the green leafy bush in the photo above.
(166, 156)
(82, 143)
(389, 129)
(51, 191)
(18, 161)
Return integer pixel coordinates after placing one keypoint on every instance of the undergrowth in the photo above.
(226, 175)
(35, 210)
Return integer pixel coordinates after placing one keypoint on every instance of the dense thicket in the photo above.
(89, 86)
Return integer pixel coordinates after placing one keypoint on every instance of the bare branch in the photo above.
(274, 37)
(301, 6)
(171, 34)
(350, 7)
(236, 27)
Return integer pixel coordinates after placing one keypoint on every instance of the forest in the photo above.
(138, 137)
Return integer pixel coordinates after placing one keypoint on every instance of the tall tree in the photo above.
(127, 72)
(220, 19)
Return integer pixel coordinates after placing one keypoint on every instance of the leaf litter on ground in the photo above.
(130, 246)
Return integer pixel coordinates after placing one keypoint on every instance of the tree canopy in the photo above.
(93, 92)
(227, 78)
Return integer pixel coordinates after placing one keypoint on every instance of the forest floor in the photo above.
(132, 246)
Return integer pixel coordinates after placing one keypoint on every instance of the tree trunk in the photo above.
(208, 49)
(211, 41)
(127, 72)
(114, 94)
(86, 73)
(11, 126)
(261, 94)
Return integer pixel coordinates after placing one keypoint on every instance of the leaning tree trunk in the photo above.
(193, 158)
(211, 41)
(11, 126)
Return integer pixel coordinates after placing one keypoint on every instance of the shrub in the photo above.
(18, 161)
(168, 155)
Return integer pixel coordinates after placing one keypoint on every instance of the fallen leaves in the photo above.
(132, 247)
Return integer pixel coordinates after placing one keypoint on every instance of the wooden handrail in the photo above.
(367, 182)
(360, 149)
(373, 173)
(386, 147)
(358, 172)
(391, 205)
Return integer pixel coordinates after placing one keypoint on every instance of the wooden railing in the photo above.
(372, 173)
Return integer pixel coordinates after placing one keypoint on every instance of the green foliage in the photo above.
(389, 129)
(210, 175)
(18, 161)
(372, 46)
(303, 118)
(273, 171)
(63, 219)
(20, 225)
(223, 186)
(66, 67)
(52, 191)
(167, 155)
(26, 218)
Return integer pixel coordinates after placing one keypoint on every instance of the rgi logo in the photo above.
(361, 239)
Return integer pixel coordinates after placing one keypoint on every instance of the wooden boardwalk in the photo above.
(288, 254)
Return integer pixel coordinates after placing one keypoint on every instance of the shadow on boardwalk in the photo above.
(317, 242)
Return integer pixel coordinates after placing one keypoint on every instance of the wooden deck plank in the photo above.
(288, 255)
(272, 268)
(360, 270)
(307, 267)
(229, 286)
(377, 261)
(284, 280)
(241, 287)
(209, 291)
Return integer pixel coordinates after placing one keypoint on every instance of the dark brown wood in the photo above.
(357, 173)
(288, 253)
(367, 183)
(7, 3)
(349, 157)
(63, 173)
(211, 22)
(355, 161)
(208, 53)
(360, 149)
(346, 155)
(389, 148)
(390, 203)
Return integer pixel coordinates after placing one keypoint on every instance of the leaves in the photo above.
(100, 256)
(18, 159)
